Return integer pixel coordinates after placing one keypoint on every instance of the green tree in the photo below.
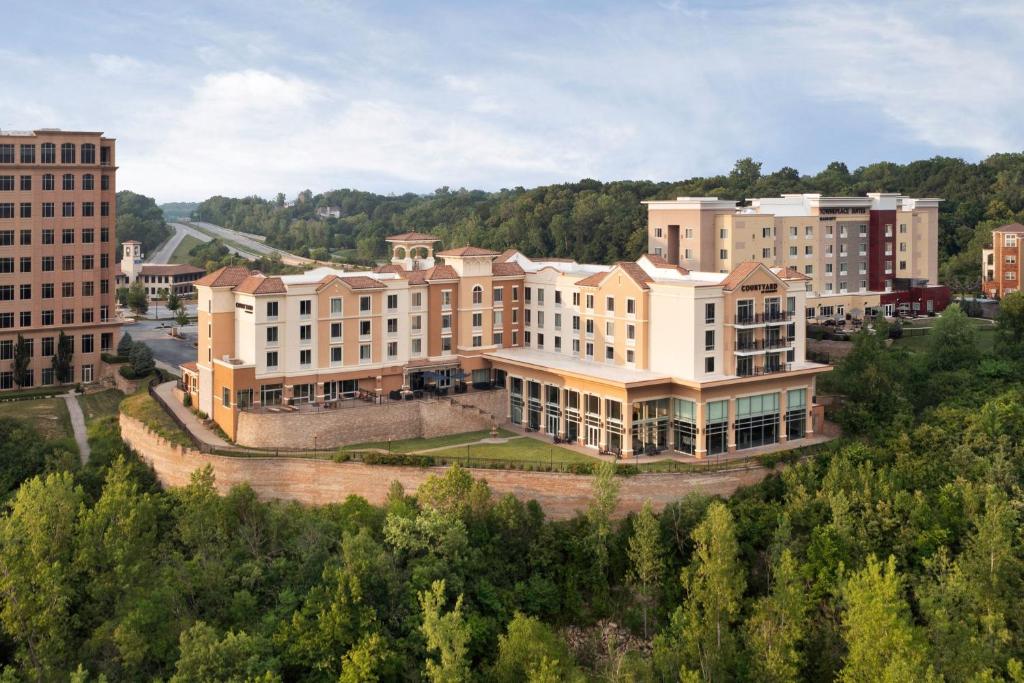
(775, 628)
(124, 347)
(1011, 325)
(22, 358)
(953, 340)
(205, 656)
(714, 583)
(38, 581)
(605, 489)
(122, 295)
(141, 359)
(365, 662)
(62, 358)
(530, 650)
(446, 634)
(138, 300)
(173, 302)
(181, 318)
(881, 642)
(645, 557)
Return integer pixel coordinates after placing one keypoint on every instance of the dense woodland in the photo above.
(139, 218)
(601, 222)
(894, 555)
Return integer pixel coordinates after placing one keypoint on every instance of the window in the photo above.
(67, 289)
(808, 269)
(271, 359)
(589, 350)
(26, 264)
(6, 292)
(47, 317)
(364, 328)
(105, 182)
(47, 290)
(590, 328)
(6, 154)
(808, 250)
(478, 294)
(305, 357)
(609, 353)
(67, 316)
(498, 340)
(417, 299)
(365, 353)
(657, 232)
(88, 153)
(392, 325)
(336, 306)
(67, 236)
(88, 235)
(688, 233)
(723, 233)
(631, 332)
(104, 208)
(630, 356)
(417, 323)
(392, 349)
(446, 343)
(766, 252)
(67, 182)
(67, 262)
(7, 210)
(446, 320)
(26, 183)
(26, 292)
(67, 153)
(515, 293)
(766, 232)
(575, 298)
(7, 264)
(709, 340)
(609, 329)
(88, 209)
(67, 209)
(88, 343)
(271, 335)
(364, 304)
(609, 304)
(6, 183)
(498, 294)
(688, 253)
(709, 364)
(478, 320)
(305, 308)
(28, 154)
(272, 309)
(723, 254)
(88, 182)
(540, 296)
(392, 302)
(793, 251)
(590, 302)
(529, 295)
(48, 210)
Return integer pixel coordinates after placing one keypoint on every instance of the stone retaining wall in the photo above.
(361, 423)
(317, 482)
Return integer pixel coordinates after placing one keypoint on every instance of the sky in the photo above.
(259, 97)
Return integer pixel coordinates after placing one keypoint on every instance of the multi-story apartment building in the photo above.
(859, 253)
(1000, 263)
(635, 356)
(57, 242)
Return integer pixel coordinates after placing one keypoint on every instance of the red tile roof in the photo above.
(191, 365)
(169, 269)
(636, 273)
(228, 276)
(789, 273)
(1012, 227)
(261, 284)
(740, 273)
(353, 282)
(468, 251)
(412, 237)
(389, 268)
(592, 280)
(506, 255)
(659, 261)
(442, 273)
(504, 269)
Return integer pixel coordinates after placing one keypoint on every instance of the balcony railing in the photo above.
(762, 344)
(770, 369)
(762, 318)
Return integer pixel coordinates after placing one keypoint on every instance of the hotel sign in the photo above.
(765, 288)
(842, 209)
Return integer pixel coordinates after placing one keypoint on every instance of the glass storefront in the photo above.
(796, 414)
(515, 392)
(716, 427)
(757, 420)
(684, 425)
(650, 425)
(613, 425)
(552, 410)
(533, 404)
(572, 415)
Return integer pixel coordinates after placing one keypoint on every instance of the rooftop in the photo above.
(412, 237)
(545, 360)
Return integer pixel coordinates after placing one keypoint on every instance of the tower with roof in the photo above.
(412, 250)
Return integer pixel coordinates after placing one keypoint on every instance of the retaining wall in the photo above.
(318, 482)
(360, 423)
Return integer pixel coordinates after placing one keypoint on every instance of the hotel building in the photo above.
(1000, 263)
(57, 219)
(626, 358)
(859, 253)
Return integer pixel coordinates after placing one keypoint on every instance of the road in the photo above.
(240, 242)
(166, 250)
(168, 350)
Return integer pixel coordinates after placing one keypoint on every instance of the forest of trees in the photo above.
(139, 218)
(892, 555)
(601, 222)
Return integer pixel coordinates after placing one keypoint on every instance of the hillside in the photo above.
(604, 221)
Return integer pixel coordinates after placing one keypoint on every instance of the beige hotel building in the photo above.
(57, 249)
(628, 358)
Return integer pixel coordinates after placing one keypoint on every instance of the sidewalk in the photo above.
(193, 423)
(78, 425)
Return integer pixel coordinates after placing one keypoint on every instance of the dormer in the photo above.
(412, 250)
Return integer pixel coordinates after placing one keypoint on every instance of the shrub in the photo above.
(141, 359)
(127, 372)
(112, 359)
(187, 401)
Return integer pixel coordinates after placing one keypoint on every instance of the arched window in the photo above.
(87, 182)
(68, 181)
(48, 153)
(478, 294)
(48, 181)
(67, 153)
(88, 153)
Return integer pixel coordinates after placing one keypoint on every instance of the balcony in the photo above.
(760, 370)
(768, 318)
(756, 345)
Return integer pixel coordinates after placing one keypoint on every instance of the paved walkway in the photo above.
(194, 424)
(78, 425)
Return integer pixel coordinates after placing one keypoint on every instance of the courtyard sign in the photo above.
(766, 287)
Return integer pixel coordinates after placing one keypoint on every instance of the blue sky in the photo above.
(258, 97)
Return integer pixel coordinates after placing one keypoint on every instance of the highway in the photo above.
(163, 254)
(241, 243)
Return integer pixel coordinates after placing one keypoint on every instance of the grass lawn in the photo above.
(100, 404)
(146, 410)
(410, 445)
(49, 416)
(187, 243)
(521, 449)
